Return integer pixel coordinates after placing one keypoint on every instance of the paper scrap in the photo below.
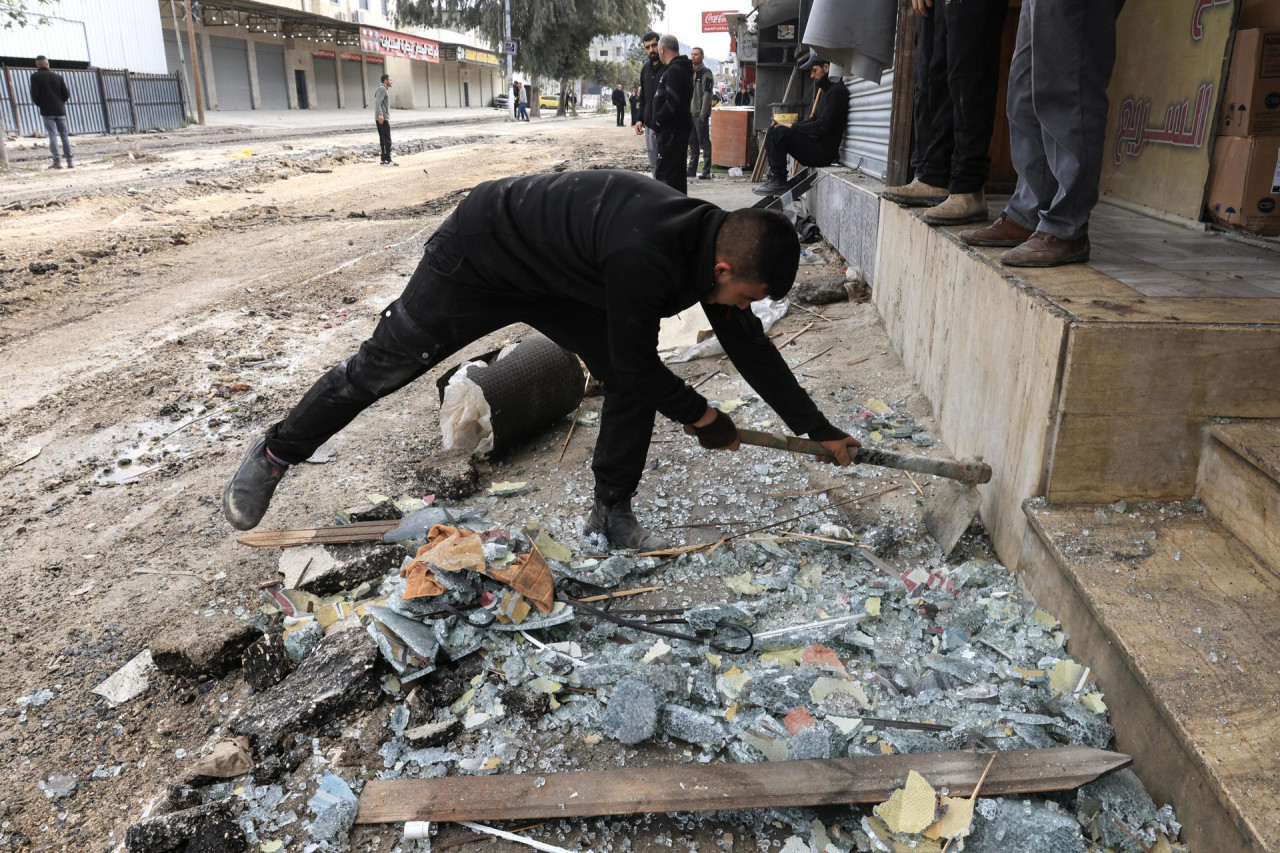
(912, 808)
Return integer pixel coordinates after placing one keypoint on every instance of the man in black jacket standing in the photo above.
(49, 92)
(594, 260)
(648, 85)
(619, 103)
(672, 122)
(815, 139)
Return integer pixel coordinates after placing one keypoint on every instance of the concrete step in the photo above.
(1181, 623)
(1239, 482)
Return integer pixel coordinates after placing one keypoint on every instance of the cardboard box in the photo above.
(1251, 102)
(1244, 188)
(1259, 13)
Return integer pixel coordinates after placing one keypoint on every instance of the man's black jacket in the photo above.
(829, 121)
(649, 75)
(672, 97)
(619, 99)
(49, 92)
(639, 251)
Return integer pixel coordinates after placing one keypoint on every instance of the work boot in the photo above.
(959, 209)
(705, 176)
(619, 525)
(248, 493)
(1045, 250)
(916, 194)
(776, 185)
(1003, 232)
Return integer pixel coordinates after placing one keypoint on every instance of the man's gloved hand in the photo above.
(715, 431)
(835, 440)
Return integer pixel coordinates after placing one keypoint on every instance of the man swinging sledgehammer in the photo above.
(594, 260)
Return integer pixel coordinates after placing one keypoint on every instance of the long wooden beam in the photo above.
(359, 531)
(708, 787)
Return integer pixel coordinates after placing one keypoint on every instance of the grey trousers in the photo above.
(1057, 109)
(651, 145)
(56, 126)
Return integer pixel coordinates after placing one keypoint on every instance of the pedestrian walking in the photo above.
(957, 72)
(649, 74)
(594, 260)
(700, 114)
(1057, 107)
(49, 92)
(382, 115)
(672, 122)
(619, 103)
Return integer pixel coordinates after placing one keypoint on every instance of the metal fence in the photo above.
(102, 101)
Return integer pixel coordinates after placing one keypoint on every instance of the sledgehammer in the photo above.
(952, 509)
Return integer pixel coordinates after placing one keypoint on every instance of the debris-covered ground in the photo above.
(269, 685)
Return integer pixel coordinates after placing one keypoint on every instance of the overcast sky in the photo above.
(684, 19)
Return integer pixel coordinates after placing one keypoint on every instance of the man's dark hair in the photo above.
(762, 246)
(386, 77)
(43, 58)
(649, 36)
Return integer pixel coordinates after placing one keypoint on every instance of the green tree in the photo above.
(610, 74)
(19, 13)
(553, 34)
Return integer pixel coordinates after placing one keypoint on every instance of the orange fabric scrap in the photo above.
(447, 548)
(530, 576)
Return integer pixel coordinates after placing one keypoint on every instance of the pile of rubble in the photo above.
(459, 644)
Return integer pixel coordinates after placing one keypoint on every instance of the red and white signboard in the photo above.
(716, 22)
(401, 45)
(323, 54)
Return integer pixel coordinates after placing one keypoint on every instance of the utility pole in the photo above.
(182, 60)
(195, 59)
(510, 94)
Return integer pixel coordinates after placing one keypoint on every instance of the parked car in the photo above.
(549, 101)
(501, 101)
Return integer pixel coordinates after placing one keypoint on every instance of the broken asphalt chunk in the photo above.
(265, 662)
(204, 647)
(181, 830)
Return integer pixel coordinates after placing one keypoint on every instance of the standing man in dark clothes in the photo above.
(49, 92)
(634, 99)
(594, 260)
(648, 84)
(957, 72)
(815, 139)
(1057, 107)
(619, 103)
(700, 114)
(671, 119)
(382, 115)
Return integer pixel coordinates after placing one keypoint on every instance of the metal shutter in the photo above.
(171, 51)
(352, 85)
(374, 72)
(326, 83)
(866, 138)
(231, 73)
(272, 83)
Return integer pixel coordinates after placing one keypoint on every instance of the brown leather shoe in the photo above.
(958, 209)
(1003, 232)
(916, 194)
(1046, 250)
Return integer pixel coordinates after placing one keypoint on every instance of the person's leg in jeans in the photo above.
(935, 158)
(928, 178)
(61, 123)
(974, 29)
(703, 128)
(1036, 185)
(671, 150)
(651, 148)
(51, 129)
(384, 141)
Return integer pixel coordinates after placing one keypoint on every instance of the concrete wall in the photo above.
(846, 207)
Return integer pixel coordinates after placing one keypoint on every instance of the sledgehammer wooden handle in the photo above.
(969, 473)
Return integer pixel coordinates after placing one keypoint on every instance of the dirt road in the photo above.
(157, 312)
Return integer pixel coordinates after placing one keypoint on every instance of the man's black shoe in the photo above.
(248, 494)
(705, 175)
(619, 525)
(776, 185)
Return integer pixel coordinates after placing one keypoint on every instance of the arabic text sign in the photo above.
(716, 22)
(467, 54)
(387, 43)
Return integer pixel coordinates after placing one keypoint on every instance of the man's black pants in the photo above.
(621, 112)
(446, 306)
(700, 138)
(782, 140)
(384, 140)
(957, 72)
(672, 143)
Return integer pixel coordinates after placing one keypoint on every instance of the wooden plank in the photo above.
(902, 111)
(359, 531)
(1106, 458)
(708, 787)
(1191, 371)
(1239, 484)
(1180, 621)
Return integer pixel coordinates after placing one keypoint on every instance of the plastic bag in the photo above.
(465, 418)
(768, 310)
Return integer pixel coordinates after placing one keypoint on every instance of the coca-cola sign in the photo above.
(716, 22)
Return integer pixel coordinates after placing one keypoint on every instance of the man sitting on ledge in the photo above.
(812, 141)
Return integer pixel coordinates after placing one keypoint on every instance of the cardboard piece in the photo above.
(1244, 190)
(1251, 100)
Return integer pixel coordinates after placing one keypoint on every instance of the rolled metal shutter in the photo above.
(374, 72)
(866, 138)
(352, 85)
(272, 83)
(231, 73)
(171, 51)
(326, 83)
